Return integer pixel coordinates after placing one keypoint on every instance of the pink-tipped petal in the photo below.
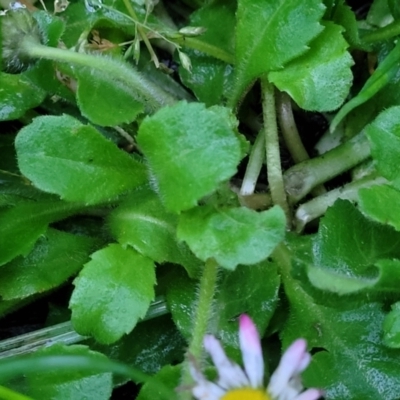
(305, 361)
(310, 394)
(230, 374)
(292, 361)
(251, 351)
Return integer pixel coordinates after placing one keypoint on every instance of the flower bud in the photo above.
(17, 27)
(185, 61)
(192, 30)
(136, 49)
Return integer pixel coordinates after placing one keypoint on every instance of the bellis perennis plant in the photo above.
(235, 383)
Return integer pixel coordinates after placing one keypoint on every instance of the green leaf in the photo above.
(23, 224)
(218, 17)
(190, 150)
(391, 327)
(387, 279)
(386, 70)
(342, 331)
(232, 236)
(61, 155)
(51, 27)
(212, 79)
(344, 16)
(384, 136)
(55, 258)
(169, 375)
(111, 293)
(17, 96)
(345, 252)
(105, 101)
(78, 19)
(352, 338)
(44, 76)
(248, 289)
(354, 245)
(57, 385)
(394, 7)
(271, 33)
(142, 222)
(320, 79)
(379, 13)
(382, 204)
(152, 344)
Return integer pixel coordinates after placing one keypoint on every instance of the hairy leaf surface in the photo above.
(112, 292)
(61, 155)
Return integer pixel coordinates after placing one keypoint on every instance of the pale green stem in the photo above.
(289, 130)
(144, 90)
(204, 308)
(291, 135)
(317, 206)
(303, 177)
(256, 159)
(273, 157)
(385, 33)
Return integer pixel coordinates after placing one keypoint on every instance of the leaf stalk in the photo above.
(303, 177)
(273, 158)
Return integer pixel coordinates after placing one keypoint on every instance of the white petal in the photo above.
(310, 394)
(294, 360)
(207, 391)
(230, 374)
(203, 389)
(251, 351)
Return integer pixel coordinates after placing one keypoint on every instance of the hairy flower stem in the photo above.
(303, 177)
(144, 90)
(207, 287)
(317, 206)
(273, 158)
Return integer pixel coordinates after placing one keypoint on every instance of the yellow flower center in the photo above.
(246, 394)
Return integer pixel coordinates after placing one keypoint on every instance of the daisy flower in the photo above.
(235, 383)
